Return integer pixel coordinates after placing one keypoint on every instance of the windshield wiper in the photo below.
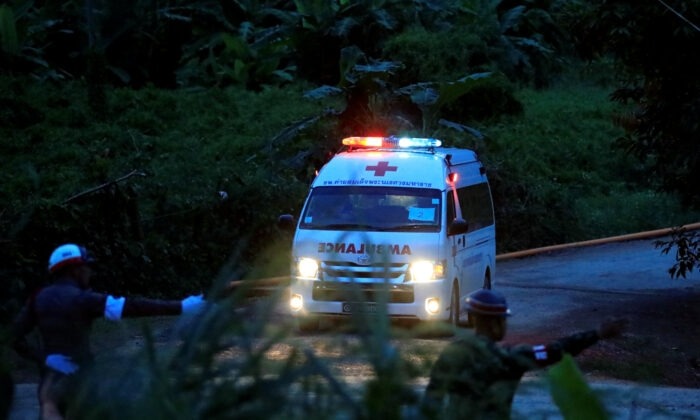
(410, 227)
(332, 226)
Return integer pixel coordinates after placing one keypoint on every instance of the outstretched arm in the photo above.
(545, 355)
(133, 307)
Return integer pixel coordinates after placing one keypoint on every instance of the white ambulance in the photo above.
(400, 226)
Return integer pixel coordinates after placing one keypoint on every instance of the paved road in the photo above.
(634, 265)
(624, 401)
(624, 269)
(541, 288)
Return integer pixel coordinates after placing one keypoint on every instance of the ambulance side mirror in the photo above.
(458, 226)
(286, 222)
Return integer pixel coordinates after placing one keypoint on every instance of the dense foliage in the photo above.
(252, 43)
(167, 136)
(202, 193)
(263, 92)
(656, 46)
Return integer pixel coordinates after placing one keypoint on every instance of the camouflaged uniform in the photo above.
(475, 378)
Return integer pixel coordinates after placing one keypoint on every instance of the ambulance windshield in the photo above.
(373, 209)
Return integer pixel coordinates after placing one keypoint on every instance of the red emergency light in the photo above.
(363, 141)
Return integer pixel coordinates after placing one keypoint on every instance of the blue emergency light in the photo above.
(391, 142)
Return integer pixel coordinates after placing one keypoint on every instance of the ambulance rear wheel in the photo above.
(487, 280)
(487, 286)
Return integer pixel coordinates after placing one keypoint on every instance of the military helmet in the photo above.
(487, 302)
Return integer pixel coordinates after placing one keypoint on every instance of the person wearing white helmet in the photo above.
(475, 377)
(63, 313)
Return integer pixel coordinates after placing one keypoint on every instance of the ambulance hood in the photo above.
(365, 248)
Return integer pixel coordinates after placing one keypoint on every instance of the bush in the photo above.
(489, 101)
(557, 176)
(438, 56)
(220, 165)
(211, 190)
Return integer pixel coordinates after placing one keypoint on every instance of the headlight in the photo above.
(426, 271)
(296, 302)
(432, 306)
(307, 268)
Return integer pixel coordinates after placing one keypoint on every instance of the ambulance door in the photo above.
(456, 242)
(478, 245)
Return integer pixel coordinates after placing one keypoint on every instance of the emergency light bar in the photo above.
(391, 142)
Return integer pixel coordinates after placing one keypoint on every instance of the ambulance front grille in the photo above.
(346, 271)
(347, 281)
(361, 292)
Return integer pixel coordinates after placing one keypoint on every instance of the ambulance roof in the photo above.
(415, 168)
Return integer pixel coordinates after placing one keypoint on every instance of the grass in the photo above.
(560, 176)
(186, 140)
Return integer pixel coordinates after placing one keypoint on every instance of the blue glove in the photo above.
(192, 304)
(61, 363)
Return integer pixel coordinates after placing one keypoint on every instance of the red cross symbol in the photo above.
(381, 168)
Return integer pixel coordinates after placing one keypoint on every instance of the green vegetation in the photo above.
(168, 137)
(169, 229)
(655, 82)
(556, 178)
(571, 393)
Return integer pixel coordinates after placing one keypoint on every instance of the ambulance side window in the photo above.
(477, 208)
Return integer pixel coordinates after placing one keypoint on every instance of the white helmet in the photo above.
(67, 255)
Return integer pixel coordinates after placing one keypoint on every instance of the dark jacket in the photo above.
(64, 312)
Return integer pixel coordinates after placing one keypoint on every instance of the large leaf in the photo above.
(462, 128)
(343, 27)
(440, 94)
(432, 97)
(316, 12)
(384, 19)
(425, 97)
(377, 67)
(288, 133)
(572, 394)
(349, 57)
(235, 46)
(374, 74)
(451, 91)
(532, 44)
(323, 92)
(511, 18)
